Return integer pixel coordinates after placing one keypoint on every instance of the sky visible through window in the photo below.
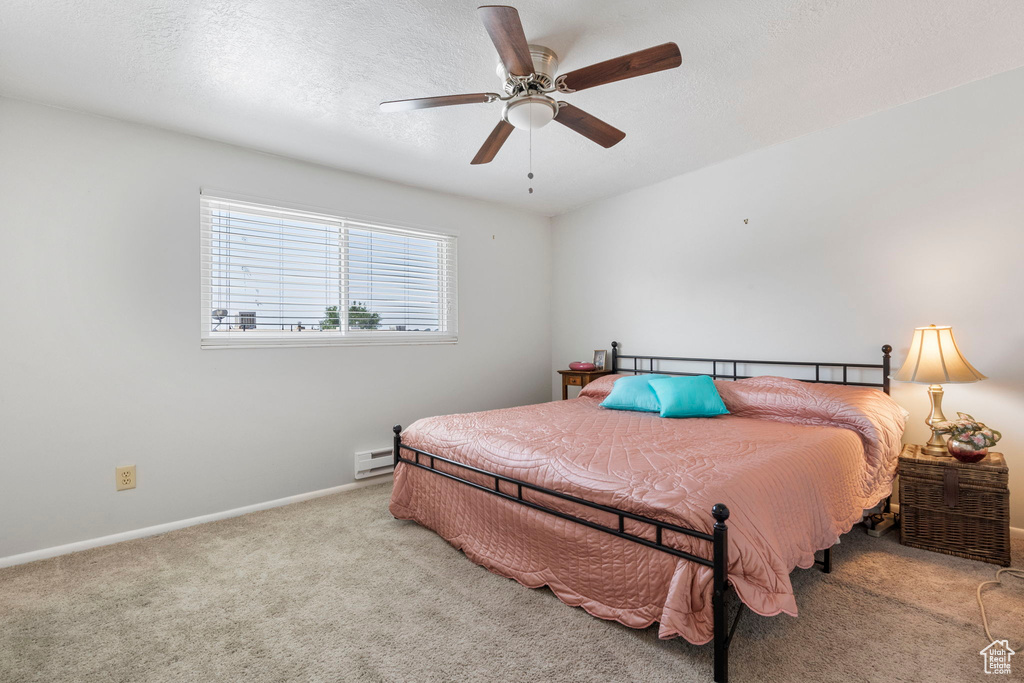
(280, 273)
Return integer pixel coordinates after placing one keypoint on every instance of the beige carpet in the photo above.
(335, 589)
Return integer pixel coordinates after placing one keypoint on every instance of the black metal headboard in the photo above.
(731, 367)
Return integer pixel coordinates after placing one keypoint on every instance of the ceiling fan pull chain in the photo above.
(530, 173)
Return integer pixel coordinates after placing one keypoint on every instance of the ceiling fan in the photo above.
(528, 72)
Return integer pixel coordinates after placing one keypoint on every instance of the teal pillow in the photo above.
(688, 397)
(634, 393)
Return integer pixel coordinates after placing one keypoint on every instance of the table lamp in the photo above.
(934, 359)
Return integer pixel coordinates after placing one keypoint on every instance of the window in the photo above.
(273, 276)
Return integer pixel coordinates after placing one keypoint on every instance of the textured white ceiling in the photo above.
(303, 78)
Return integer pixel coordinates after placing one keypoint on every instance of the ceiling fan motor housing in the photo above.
(545, 66)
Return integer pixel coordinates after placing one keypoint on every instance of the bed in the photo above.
(643, 519)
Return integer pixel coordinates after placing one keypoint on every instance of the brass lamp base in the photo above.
(936, 445)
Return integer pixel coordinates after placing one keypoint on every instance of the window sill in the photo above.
(239, 342)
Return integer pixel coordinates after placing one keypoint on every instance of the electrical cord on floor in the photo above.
(1019, 573)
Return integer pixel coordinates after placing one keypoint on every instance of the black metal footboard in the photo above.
(513, 490)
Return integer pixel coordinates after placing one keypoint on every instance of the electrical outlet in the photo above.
(125, 477)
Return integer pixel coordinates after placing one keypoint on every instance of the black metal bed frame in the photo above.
(719, 538)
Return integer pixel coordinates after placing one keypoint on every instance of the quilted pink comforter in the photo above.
(796, 464)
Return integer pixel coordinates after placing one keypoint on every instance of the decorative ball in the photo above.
(582, 366)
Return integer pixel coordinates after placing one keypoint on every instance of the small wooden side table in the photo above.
(579, 378)
(953, 507)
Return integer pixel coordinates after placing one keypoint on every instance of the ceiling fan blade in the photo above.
(506, 32)
(493, 143)
(588, 126)
(640, 63)
(441, 101)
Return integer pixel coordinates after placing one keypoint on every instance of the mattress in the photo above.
(796, 463)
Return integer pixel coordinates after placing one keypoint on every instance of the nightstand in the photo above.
(954, 507)
(579, 378)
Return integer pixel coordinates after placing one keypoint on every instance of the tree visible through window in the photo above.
(332, 321)
(363, 318)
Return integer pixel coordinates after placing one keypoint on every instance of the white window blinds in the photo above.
(274, 276)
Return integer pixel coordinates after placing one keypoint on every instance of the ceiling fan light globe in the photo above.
(530, 113)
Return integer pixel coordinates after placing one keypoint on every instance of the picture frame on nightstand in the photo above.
(600, 358)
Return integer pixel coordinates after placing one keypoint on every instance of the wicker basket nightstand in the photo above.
(955, 508)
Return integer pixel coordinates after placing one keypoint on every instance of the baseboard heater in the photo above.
(372, 463)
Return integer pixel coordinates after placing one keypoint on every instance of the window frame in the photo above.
(448, 308)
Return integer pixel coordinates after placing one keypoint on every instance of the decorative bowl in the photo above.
(965, 451)
(969, 440)
(582, 366)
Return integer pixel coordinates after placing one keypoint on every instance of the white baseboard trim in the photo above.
(1015, 532)
(45, 553)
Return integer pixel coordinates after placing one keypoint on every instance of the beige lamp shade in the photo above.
(935, 359)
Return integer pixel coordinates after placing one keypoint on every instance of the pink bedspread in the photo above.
(796, 464)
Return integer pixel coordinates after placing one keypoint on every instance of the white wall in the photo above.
(857, 234)
(100, 357)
